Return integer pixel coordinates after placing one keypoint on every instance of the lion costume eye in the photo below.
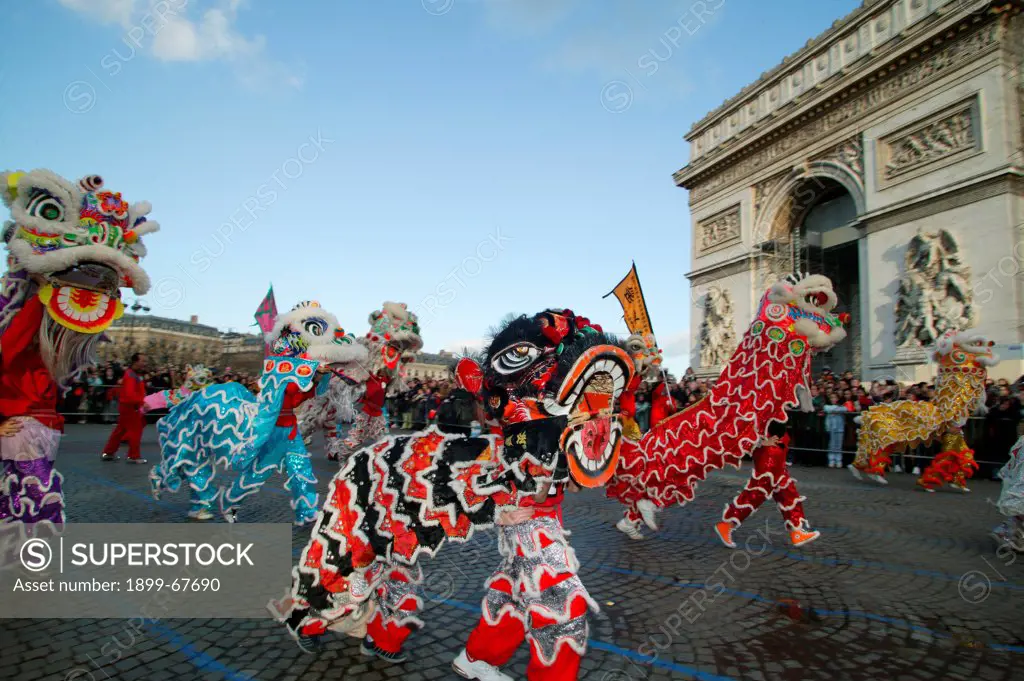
(515, 358)
(315, 327)
(44, 205)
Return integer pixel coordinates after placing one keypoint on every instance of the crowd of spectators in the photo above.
(836, 398)
(92, 396)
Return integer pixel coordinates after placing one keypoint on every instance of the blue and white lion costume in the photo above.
(226, 424)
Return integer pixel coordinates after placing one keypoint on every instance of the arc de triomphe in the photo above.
(887, 153)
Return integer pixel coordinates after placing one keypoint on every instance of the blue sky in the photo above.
(468, 157)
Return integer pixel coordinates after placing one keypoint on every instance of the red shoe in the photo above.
(724, 531)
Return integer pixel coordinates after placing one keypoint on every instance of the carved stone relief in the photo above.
(717, 337)
(719, 231)
(764, 189)
(943, 137)
(934, 293)
(859, 104)
(849, 155)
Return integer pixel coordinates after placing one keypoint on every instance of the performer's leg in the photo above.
(630, 523)
(202, 492)
(116, 437)
(136, 424)
(266, 463)
(301, 481)
(556, 648)
(395, 619)
(954, 464)
(500, 630)
(757, 489)
(557, 603)
(354, 437)
(791, 506)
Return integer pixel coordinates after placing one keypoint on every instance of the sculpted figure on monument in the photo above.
(717, 337)
(935, 292)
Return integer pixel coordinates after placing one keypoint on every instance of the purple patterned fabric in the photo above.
(34, 492)
(8, 294)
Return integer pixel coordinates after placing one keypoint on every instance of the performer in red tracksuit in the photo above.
(369, 424)
(769, 478)
(130, 420)
(662, 405)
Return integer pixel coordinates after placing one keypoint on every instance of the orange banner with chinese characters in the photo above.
(634, 308)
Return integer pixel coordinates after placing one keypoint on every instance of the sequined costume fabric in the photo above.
(366, 430)
(225, 423)
(534, 594)
(30, 486)
(896, 426)
(1011, 499)
(757, 386)
(954, 463)
(770, 478)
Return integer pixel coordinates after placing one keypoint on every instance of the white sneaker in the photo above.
(916, 471)
(856, 473)
(897, 468)
(200, 514)
(649, 512)
(879, 479)
(479, 670)
(962, 488)
(631, 530)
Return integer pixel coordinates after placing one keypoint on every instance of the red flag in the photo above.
(266, 314)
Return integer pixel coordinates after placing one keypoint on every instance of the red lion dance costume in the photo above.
(647, 359)
(770, 478)
(72, 246)
(766, 375)
(552, 380)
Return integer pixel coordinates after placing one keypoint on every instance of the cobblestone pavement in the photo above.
(903, 585)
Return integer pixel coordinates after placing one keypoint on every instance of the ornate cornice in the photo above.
(788, 64)
(717, 271)
(924, 207)
(919, 66)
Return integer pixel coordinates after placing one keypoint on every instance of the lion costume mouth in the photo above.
(85, 298)
(593, 438)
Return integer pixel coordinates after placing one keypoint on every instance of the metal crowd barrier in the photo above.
(990, 438)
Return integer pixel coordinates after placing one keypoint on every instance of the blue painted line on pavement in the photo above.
(201, 660)
(110, 483)
(204, 661)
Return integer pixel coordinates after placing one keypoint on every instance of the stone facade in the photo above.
(164, 340)
(177, 342)
(914, 109)
(432, 366)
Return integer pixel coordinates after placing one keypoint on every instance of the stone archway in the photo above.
(808, 221)
(782, 201)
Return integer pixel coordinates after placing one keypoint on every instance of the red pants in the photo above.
(397, 605)
(495, 645)
(770, 478)
(130, 424)
(535, 584)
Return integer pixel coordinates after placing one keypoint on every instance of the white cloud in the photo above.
(106, 11)
(617, 40)
(178, 31)
(529, 17)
